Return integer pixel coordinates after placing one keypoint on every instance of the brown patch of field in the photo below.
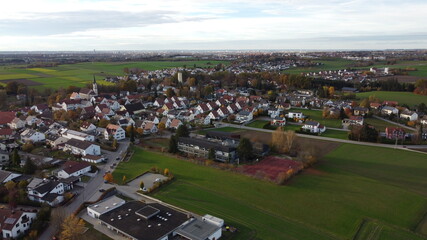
(402, 78)
(270, 167)
(24, 81)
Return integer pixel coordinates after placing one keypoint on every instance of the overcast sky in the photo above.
(212, 25)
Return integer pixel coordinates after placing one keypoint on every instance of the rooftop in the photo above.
(107, 204)
(197, 230)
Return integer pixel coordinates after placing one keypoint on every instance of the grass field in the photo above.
(317, 116)
(82, 73)
(408, 98)
(350, 184)
(337, 64)
(379, 124)
(332, 133)
(222, 129)
(257, 123)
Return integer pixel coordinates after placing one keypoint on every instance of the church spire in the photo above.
(95, 86)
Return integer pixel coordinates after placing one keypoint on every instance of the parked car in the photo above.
(102, 190)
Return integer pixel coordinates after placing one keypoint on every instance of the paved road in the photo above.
(323, 138)
(90, 188)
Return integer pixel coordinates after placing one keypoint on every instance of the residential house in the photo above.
(353, 120)
(6, 176)
(6, 118)
(394, 133)
(387, 110)
(71, 134)
(375, 106)
(298, 115)
(360, 111)
(87, 127)
(73, 168)
(150, 128)
(4, 158)
(93, 158)
(32, 135)
(201, 147)
(313, 127)
(17, 123)
(244, 116)
(114, 131)
(423, 120)
(6, 133)
(202, 108)
(175, 123)
(78, 147)
(274, 112)
(409, 115)
(40, 108)
(390, 103)
(46, 191)
(223, 112)
(15, 223)
(278, 121)
(134, 108)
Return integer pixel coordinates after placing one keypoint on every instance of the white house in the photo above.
(409, 115)
(72, 168)
(16, 123)
(278, 121)
(150, 128)
(6, 176)
(32, 135)
(87, 127)
(46, 191)
(71, 134)
(244, 116)
(83, 148)
(295, 115)
(387, 110)
(4, 158)
(15, 223)
(115, 131)
(97, 209)
(313, 127)
(30, 120)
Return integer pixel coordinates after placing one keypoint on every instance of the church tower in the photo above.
(95, 86)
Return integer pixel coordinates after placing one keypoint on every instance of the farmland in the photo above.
(82, 73)
(408, 98)
(332, 201)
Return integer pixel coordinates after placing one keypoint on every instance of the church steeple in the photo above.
(95, 86)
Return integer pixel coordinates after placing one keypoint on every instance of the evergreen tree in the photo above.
(16, 159)
(211, 154)
(132, 134)
(29, 167)
(173, 144)
(245, 150)
(182, 131)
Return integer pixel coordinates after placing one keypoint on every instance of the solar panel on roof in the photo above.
(10, 220)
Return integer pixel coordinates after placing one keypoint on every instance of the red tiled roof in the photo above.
(6, 117)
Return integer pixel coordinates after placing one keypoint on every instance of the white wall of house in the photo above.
(64, 174)
(19, 227)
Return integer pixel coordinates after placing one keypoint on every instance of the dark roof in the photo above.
(205, 144)
(72, 166)
(50, 197)
(125, 219)
(222, 135)
(78, 143)
(134, 107)
(46, 187)
(198, 230)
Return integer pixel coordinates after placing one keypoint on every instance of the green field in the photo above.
(408, 98)
(257, 123)
(379, 124)
(222, 129)
(317, 116)
(82, 73)
(349, 185)
(332, 133)
(337, 64)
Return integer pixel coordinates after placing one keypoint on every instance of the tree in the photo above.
(103, 123)
(124, 179)
(12, 87)
(166, 172)
(16, 159)
(114, 144)
(72, 228)
(29, 167)
(211, 155)
(132, 134)
(161, 127)
(173, 145)
(170, 92)
(290, 137)
(108, 177)
(245, 150)
(182, 131)
(28, 146)
(283, 140)
(141, 185)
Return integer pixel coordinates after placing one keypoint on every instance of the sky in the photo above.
(81, 25)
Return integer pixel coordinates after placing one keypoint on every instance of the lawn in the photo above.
(317, 116)
(350, 184)
(257, 123)
(221, 129)
(408, 98)
(81, 74)
(332, 133)
(379, 124)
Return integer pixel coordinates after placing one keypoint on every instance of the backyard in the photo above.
(347, 182)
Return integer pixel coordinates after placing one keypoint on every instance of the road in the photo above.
(89, 188)
(324, 138)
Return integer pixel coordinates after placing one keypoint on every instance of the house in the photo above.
(32, 135)
(278, 121)
(17, 123)
(313, 127)
(4, 158)
(175, 123)
(424, 120)
(203, 228)
(134, 108)
(40, 108)
(6, 117)
(87, 127)
(199, 147)
(114, 131)
(223, 112)
(92, 158)
(360, 111)
(150, 128)
(14, 223)
(298, 115)
(353, 120)
(244, 116)
(274, 112)
(6, 176)
(394, 133)
(78, 147)
(6, 133)
(409, 115)
(73, 168)
(390, 103)
(71, 134)
(30, 120)
(46, 191)
(202, 108)
(375, 105)
(387, 110)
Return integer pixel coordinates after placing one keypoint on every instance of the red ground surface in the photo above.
(271, 166)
